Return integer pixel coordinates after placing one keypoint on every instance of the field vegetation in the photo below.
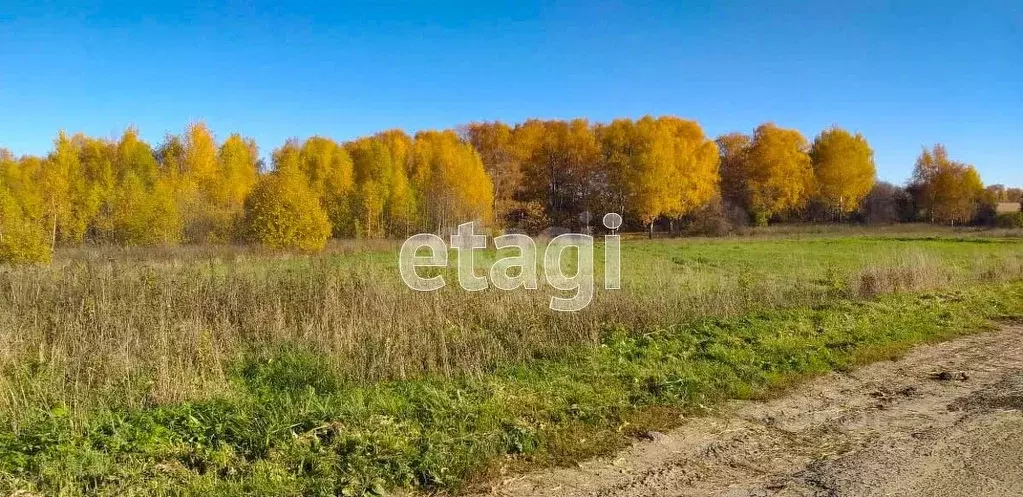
(235, 370)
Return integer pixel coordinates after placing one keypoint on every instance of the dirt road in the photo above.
(947, 420)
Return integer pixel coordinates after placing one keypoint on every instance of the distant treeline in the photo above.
(658, 172)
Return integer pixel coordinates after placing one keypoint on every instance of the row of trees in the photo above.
(530, 176)
(193, 189)
(558, 173)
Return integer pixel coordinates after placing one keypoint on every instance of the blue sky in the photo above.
(905, 73)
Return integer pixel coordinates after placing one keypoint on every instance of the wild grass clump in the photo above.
(906, 273)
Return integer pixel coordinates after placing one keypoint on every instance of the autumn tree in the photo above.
(22, 238)
(200, 188)
(144, 213)
(328, 168)
(373, 171)
(779, 175)
(238, 170)
(495, 142)
(619, 150)
(844, 170)
(531, 176)
(170, 155)
(734, 170)
(560, 160)
(65, 193)
(658, 167)
(403, 210)
(528, 211)
(283, 212)
(449, 173)
(694, 164)
(140, 208)
(946, 191)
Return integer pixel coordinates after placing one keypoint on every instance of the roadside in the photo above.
(946, 420)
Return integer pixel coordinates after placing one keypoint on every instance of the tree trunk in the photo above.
(651, 234)
(53, 239)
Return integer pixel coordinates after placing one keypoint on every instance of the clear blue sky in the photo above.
(904, 73)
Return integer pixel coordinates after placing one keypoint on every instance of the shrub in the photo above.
(714, 219)
(1010, 220)
(284, 213)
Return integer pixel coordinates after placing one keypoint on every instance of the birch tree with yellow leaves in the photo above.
(843, 165)
(779, 176)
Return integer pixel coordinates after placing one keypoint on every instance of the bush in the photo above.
(717, 218)
(284, 213)
(1010, 220)
(23, 243)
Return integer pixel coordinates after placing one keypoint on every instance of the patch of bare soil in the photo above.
(946, 420)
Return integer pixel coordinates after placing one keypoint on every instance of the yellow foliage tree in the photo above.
(22, 241)
(947, 191)
(372, 170)
(65, 192)
(659, 166)
(779, 175)
(283, 212)
(204, 196)
(694, 166)
(495, 142)
(618, 153)
(328, 168)
(455, 186)
(238, 164)
(843, 166)
(144, 214)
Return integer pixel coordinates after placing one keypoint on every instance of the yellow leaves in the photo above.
(329, 169)
(843, 164)
(144, 215)
(664, 166)
(238, 162)
(451, 180)
(779, 174)
(22, 241)
(200, 157)
(534, 175)
(946, 190)
(283, 213)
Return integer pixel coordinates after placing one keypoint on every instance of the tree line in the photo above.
(532, 176)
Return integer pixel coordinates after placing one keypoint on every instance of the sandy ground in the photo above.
(946, 420)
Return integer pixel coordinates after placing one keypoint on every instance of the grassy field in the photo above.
(230, 371)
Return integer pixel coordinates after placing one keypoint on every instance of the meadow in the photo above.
(231, 370)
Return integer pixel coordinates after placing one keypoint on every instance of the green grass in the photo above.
(288, 417)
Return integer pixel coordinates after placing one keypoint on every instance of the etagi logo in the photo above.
(517, 271)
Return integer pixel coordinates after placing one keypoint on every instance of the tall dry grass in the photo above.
(116, 330)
